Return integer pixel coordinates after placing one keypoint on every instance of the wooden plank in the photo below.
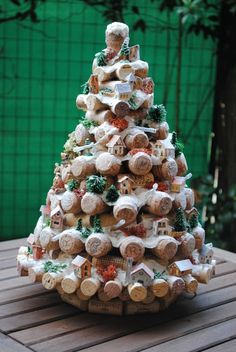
(225, 268)
(228, 346)
(8, 263)
(111, 332)
(45, 300)
(217, 283)
(57, 328)
(221, 253)
(21, 293)
(17, 282)
(8, 273)
(36, 317)
(202, 339)
(11, 253)
(6, 245)
(9, 345)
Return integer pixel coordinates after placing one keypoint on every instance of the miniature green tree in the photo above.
(96, 224)
(124, 50)
(157, 113)
(101, 58)
(179, 147)
(112, 194)
(193, 221)
(180, 221)
(95, 184)
(79, 225)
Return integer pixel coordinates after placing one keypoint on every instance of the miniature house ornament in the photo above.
(119, 233)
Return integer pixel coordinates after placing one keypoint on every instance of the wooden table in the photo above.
(33, 319)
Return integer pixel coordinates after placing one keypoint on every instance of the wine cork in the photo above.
(93, 103)
(80, 102)
(108, 164)
(189, 198)
(138, 114)
(81, 134)
(182, 165)
(138, 83)
(124, 70)
(126, 208)
(92, 204)
(98, 245)
(35, 273)
(176, 284)
(186, 246)
(71, 202)
(141, 68)
(140, 163)
(202, 273)
(113, 288)
(199, 235)
(124, 295)
(137, 292)
(50, 280)
(74, 300)
(179, 200)
(46, 239)
(163, 131)
(141, 308)
(66, 174)
(109, 259)
(83, 166)
(54, 253)
(23, 250)
(166, 247)
(114, 307)
(70, 283)
(81, 296)
(23, 265)
(148, 101)
(136, 139)
(105, 73)
(132, 246)
(90, 286)
(102, 296)
(120, 108)
(101, 135)
(191, 284)
(99, 116)
(160, 287)
(160, 203)
(115, 35)
(70, 242)
(150, 298)
(168, 169)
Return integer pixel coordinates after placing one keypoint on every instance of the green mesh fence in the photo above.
(43, 66)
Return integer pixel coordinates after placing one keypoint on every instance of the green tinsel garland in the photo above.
(157, 113)
(73, 184)
(50, 267)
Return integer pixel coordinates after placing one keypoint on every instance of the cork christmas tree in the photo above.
(119, 233)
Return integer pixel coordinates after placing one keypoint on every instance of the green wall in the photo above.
(43, 66)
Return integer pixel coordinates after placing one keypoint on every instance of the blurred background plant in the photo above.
(218, 211)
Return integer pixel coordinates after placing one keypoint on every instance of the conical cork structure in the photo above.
(119, 233)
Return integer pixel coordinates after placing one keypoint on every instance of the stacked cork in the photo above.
(119, 233)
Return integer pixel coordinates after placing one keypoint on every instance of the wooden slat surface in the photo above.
(33, 319)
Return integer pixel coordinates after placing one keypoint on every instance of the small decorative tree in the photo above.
(112, 194)
(95, 184)
(157, 113)
(180, 221)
